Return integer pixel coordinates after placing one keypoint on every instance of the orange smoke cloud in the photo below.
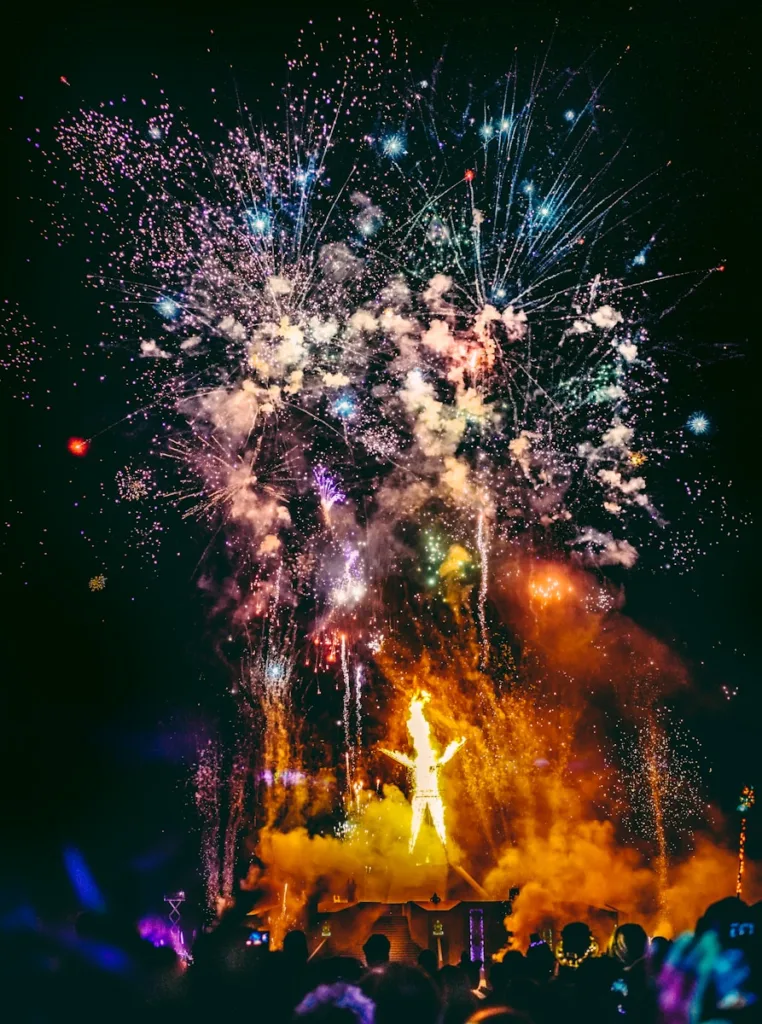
(534, 800)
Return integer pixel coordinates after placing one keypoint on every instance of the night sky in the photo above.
(104, 695)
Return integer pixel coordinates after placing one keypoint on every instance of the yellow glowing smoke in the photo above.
(534, 805)
(456, 560)
(424, 769)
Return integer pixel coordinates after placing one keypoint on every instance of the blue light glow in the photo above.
(529, 188)
(167, 308)
(393, 145)
(544, 211)
(569, 115)
(344, 407)
(257, 221)
(82, 880)
(698, 423)
(276, 671)
(486, 131)
(368, 226)
(505, 125)
(154, 132)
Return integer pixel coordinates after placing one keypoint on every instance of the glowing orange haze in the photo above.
(534, 802)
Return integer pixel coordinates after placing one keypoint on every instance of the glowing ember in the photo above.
(78, 446)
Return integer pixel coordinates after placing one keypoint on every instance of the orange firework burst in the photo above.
(549, 587)
(78, 446)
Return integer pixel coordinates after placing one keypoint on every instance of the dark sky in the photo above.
(104, 694)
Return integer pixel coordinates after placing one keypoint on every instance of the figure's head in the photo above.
(403, 995)
(577, 943)
(540, 961)
(629, 944)
(417, 725)
(376, 950)
(295, 947)
(427, 961)
(473, 969)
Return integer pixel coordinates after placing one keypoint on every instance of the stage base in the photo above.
(447, 927)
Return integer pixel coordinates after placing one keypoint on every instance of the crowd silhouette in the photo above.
(101, 970)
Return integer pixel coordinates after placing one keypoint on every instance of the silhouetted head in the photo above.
(331, 969)
(629, 944)
(733, 922)
(427, 961)
(402, 995)
(376, 950)
(514, 964)
(474, 971)
(295, 947)
(498, 976)
(657, 952)
(540, 962)
(576, 941)
(452, 979)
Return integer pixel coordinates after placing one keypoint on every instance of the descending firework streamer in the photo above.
(661, 770)
(235, 813)
(744, 806)
(358, 705)
(483, 545)
(207, 783)
(655, 783)
(267, 684)
(347, 714)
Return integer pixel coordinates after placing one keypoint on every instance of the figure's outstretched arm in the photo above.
(451, 750)
(396, 756)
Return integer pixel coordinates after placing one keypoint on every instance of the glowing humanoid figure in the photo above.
(424, 768)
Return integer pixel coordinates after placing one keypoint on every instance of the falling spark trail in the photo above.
(746, 803)
(235, 815)
(358, 706)
(482, 540)
(207, 802)
(741, 857)
(655, 783)
(347, 715)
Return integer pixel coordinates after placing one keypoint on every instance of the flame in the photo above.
(424, 769)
